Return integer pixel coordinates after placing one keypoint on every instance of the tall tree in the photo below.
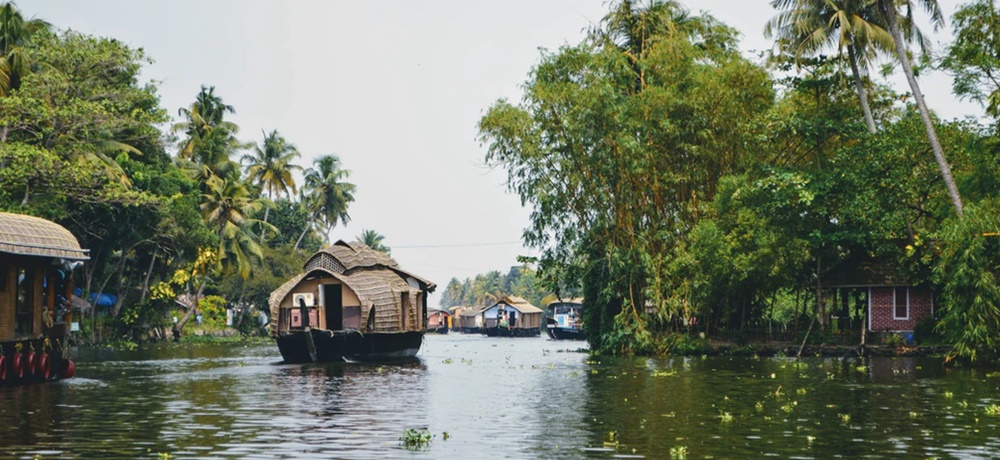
(227, 206)
(270, 167)
(891, 10)
(211, 140)
(807, 27)
(374, 240)
(327, 194)
(15, 36)
(974, 56)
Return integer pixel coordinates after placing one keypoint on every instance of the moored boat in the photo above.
(566, 322)
(350, 303)
(438, 321)
(37, 258)
(512, 316)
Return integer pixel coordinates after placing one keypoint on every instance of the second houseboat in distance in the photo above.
(512, 316)
(566, 322)
(350, 303)
(37, 259)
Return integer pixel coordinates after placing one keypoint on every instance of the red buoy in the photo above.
(29, 362)
(17, 364)
(44, 367)
(68, 369)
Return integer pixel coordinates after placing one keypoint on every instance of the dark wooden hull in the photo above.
(566, 333)
(470, 330)
(337, 346)
(14, 369)
(512, 332)
(438, 330)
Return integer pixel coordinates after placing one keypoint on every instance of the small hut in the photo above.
(37, 258)
(350, 302)
(512, 316)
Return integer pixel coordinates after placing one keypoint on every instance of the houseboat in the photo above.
(512, 316)
(37, 259)
(565, 320)
(350, 303)
(470, 320)
(438, 321)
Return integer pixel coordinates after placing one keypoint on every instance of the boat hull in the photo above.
(566, 333)
(512, 332)
(338, 346)
(438, 330)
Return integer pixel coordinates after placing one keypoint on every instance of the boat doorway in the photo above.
(333, 297)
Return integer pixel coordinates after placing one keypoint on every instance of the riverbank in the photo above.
(778, 349)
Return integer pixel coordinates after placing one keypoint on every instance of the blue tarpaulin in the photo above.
(103, 300)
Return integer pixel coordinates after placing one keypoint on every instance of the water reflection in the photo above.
(500, 398)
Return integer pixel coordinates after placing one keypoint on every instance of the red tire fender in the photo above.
(68, 368)
(43, 368)
(17, 365)
(29, 362)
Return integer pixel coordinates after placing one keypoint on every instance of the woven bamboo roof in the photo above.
(576, 300)
(33, 236)
(354, 255)
(520, 304)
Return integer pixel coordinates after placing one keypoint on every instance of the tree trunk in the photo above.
(890, 11)
(860, 88)
(149, 272)
(192, 309)
(303, 235)
(263, 230)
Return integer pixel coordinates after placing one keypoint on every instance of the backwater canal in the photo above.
(500, 398)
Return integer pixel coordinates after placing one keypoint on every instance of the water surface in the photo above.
(500, 398)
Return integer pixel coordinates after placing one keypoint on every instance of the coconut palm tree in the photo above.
(227, 206)
(891, 11)
(374, 240)
(807, 27)
(15, 35)
(211, 140)
(327, 195)
(270, 167)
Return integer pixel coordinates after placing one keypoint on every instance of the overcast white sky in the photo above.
(395, 88)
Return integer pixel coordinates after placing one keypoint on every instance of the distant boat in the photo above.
(470, 320)
(350, 303)
(37, 258)
(512, 316)
(438, 321)
(566, 322)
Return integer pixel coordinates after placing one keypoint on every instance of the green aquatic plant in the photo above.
(993, 409)
(845, 418)
(416, 438)
(612, 439)
(759, 407)
(678, 452)
(949, 395)
(726, 417)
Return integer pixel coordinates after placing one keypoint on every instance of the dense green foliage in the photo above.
(485, 289)
(82, 143)
(669, 180)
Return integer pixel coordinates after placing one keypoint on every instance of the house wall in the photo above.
(311, 286)
(882, 306)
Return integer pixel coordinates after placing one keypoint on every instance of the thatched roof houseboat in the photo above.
(438, 321)
(350, 303)
(512, 316)
(470, 320)
(37, 258)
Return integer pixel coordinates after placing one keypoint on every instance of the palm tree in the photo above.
(892, 15)
(809, 26)
(227, 206)
(270, 167)
(210, 139)
(374, 240)
(15, 35)
(327, 196)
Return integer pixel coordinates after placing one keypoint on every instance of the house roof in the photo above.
(472, 311)
(519, 304)
(576, 300)
(33, 236)
(345, 257)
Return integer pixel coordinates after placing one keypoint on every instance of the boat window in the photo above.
(902, 310)
(24, 314)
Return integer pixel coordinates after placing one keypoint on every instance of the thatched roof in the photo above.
(472, 311)
(33, 236)
(343, 257)
(576, 300)
(519, 304)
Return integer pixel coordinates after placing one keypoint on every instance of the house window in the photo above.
(902, 303)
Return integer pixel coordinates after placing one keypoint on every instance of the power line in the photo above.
(456, 245)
